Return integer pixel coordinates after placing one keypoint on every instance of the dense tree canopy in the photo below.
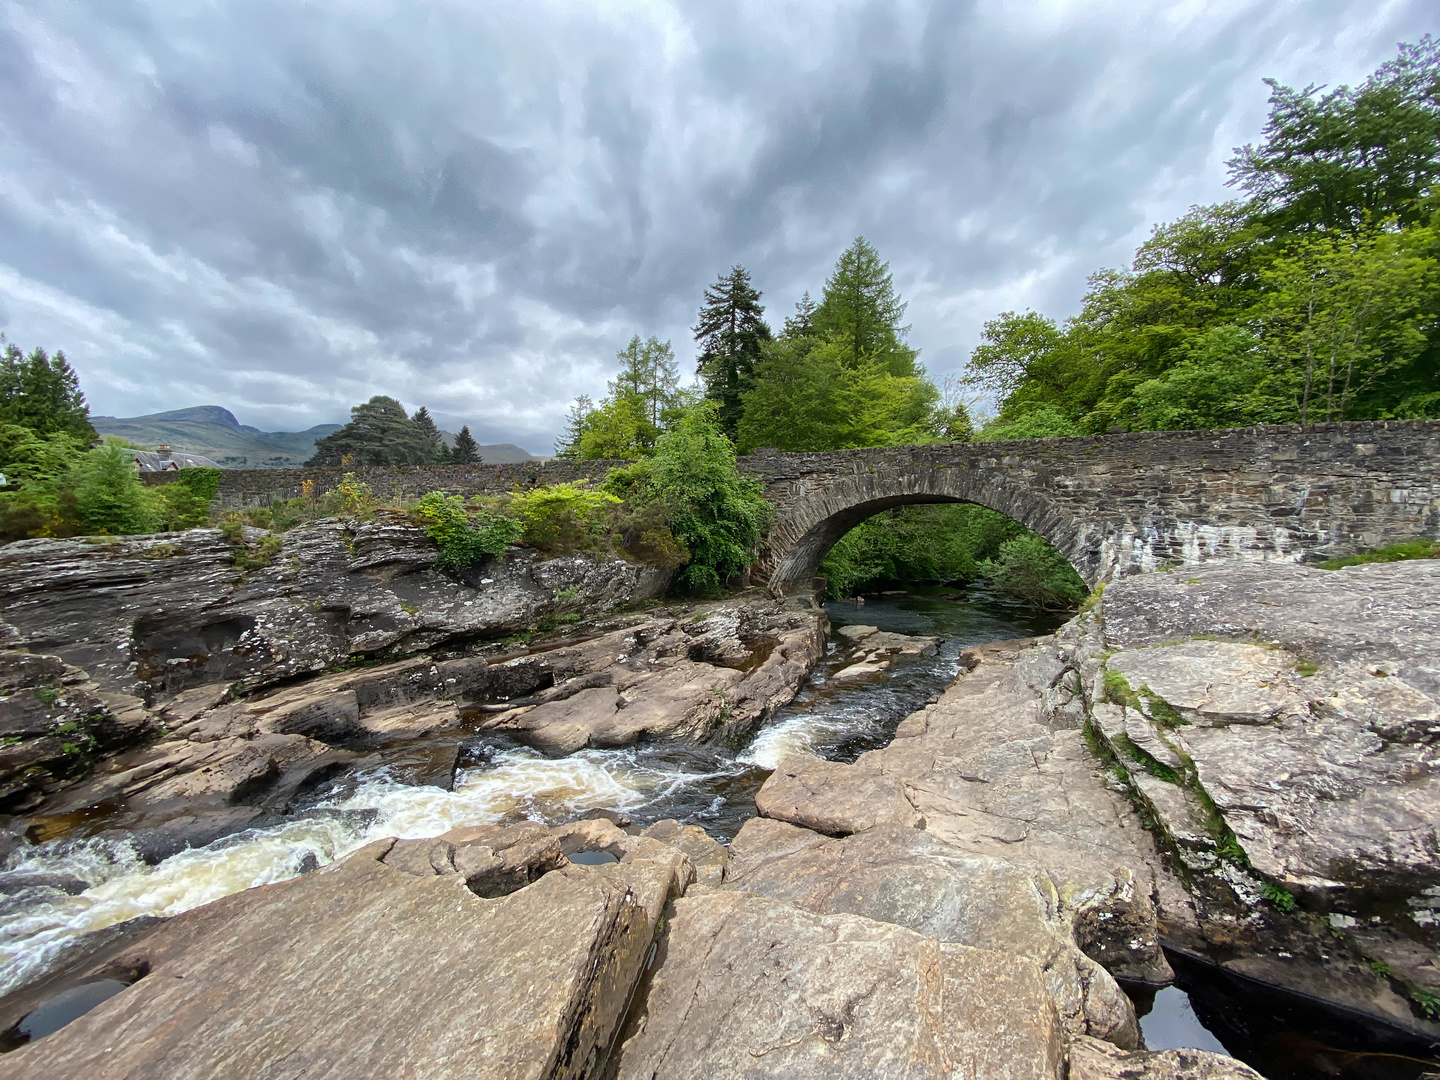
(644, 398)
(1316, 298)
(841, 373)
(42, 393)
(380, 432)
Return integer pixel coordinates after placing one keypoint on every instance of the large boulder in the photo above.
(908, 877)
(751, 987)
(1279, 726)
(992, 769)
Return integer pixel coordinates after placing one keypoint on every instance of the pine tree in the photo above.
(568, 444)
(431, 447)
(859, 305)
(802, 323)
(731, 333)
(43, 394)
(465, 451)
(379, 433)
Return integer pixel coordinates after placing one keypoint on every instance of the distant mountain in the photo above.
(214, 432)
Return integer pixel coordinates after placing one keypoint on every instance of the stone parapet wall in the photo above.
(243, 489)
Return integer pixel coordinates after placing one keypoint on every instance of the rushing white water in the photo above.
(520, 781)
(707, 785)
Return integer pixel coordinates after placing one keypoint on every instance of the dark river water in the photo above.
(500, 780)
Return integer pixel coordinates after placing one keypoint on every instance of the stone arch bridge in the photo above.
(1112, 504)
(1119, 504)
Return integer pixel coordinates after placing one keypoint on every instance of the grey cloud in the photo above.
(284, 209)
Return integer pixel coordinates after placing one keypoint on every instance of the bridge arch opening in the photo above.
(913, 537)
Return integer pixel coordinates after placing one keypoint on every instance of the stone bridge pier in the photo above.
(1121, 504)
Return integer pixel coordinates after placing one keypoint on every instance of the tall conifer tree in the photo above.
(731, 334)
(430, 446)
(43, 393)
(465, 451)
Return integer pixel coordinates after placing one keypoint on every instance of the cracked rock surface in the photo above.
(1281, 727)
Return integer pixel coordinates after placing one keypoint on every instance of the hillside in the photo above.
(215, 433)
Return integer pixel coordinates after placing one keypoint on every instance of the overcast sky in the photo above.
(284, 206)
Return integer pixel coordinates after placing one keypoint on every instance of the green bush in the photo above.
(184, 502)
(1029, 569)
(350, 498)
(109, 497)
(716, 513)
(562, 519)
(463, 544)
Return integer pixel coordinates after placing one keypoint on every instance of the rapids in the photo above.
(711, 786)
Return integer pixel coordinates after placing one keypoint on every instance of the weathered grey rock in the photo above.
(646, 681)
(161, 614)
(1091, 1059)
(1312, 726)
(382, 965)
(749, 987)
(987, 772)
(907, 877)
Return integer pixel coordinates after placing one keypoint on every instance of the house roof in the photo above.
(149, 461)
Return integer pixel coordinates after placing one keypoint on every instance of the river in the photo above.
(711, 786)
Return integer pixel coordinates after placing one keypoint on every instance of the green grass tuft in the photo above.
(1414, 549)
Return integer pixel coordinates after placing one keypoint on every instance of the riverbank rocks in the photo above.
(1280, 725)
(907, 877)
(872, 650)
(749, 987)
(711, 674)
(260, 683)
(385, 964)
(155, 615)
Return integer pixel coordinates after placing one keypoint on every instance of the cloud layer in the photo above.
(286, 206)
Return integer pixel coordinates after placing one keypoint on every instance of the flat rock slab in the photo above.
(366, 969)
(750, 987)
(909, 878)
(993, 770)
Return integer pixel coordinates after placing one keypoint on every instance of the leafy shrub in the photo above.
(184, 503)
(1031, 570)
(350, 498)
(716, 513)
(565, 518)
(109, 497)
(643, 534)
(1280, 897)
(463, 544)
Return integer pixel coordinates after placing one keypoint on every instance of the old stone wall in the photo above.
(242, 489)
(1117, 504)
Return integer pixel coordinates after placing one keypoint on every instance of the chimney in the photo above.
(164, 451)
